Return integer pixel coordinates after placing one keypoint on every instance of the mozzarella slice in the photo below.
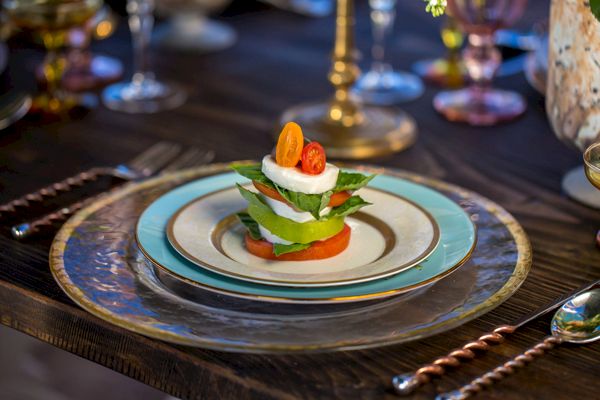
(266, 234)
(297, 181)
(284, 210)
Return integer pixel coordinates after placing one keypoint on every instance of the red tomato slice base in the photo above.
(317, 251)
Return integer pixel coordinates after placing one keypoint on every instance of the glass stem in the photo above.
(141, 21)
(54, 65)
(383, 13)
(482, 59)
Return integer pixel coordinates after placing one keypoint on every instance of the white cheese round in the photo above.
(266, 234)
(284, 210)
(297, 181)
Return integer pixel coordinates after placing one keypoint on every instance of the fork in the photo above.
(144, 165)
(190, 158)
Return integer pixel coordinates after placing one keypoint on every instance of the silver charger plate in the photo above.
(95, 260)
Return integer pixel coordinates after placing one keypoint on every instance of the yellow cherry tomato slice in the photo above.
(289, 145)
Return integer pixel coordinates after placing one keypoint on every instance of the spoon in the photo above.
(406, 384)
(577, 321)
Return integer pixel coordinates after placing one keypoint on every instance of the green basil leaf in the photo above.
(350, 206)
(250, 224)
(351, 181)
(253, 198)
(595, 7)
(312, 203)
(252, 172)
(279, 249)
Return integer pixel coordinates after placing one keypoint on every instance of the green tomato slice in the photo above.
(287, 229)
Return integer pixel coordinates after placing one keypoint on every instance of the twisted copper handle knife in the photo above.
(504, 370)
(143, 165)
(407, 383)
(28, 228)
(54, 189)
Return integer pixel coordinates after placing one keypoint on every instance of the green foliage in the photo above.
(595, 7)
(436, 7)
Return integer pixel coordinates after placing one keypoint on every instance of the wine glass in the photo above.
(591, 160)
(88, 71)
(51, 21)
(188, 27)
(480, 104)
(381, 85)
(448, 71)
(144, 93)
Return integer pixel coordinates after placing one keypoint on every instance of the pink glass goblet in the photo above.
(480, 104)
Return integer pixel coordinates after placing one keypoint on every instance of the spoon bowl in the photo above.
(578, 320)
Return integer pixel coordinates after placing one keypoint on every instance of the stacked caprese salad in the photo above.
(299, 210)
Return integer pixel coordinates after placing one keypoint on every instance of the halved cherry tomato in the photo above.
(337, 199)
(317, 251)
(313, 159)
(289, 145)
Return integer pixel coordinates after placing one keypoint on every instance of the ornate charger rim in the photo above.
(518, 276)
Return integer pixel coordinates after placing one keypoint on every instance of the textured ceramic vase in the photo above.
(573, 91)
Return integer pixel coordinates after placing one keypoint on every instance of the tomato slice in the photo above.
(313, 159)
(337, 199)
(317, 251)
(289, 145)
(269, 191)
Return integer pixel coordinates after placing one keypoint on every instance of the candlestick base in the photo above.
(381, 132)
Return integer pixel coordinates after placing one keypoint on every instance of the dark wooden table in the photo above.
(235, 96)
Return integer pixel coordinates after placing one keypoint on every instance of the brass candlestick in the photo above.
(346, 128)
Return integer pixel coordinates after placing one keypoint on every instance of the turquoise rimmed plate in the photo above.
(456, 242)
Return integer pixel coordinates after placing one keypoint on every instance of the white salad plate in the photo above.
(389, 236)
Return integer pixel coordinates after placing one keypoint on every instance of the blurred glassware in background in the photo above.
(536, 65)
(144, 93)
(85, 70)
(51, 21)
(347, 128)
(591, 161)
(3, 56)
(381, 85)
(13, 106)
(188, 27)
(448, 71)
(480, 104)
(309, 8)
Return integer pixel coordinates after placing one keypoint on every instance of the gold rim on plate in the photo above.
(385, 230)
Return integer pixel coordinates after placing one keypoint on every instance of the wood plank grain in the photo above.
(235, 97)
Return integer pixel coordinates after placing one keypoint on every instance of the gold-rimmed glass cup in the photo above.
(591, 164)
(50, 21)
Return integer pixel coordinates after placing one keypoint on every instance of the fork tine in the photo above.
(157, 155)
(182, 160)
(148, 154)
(192, 157)
(208, 157)
(154, 164)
